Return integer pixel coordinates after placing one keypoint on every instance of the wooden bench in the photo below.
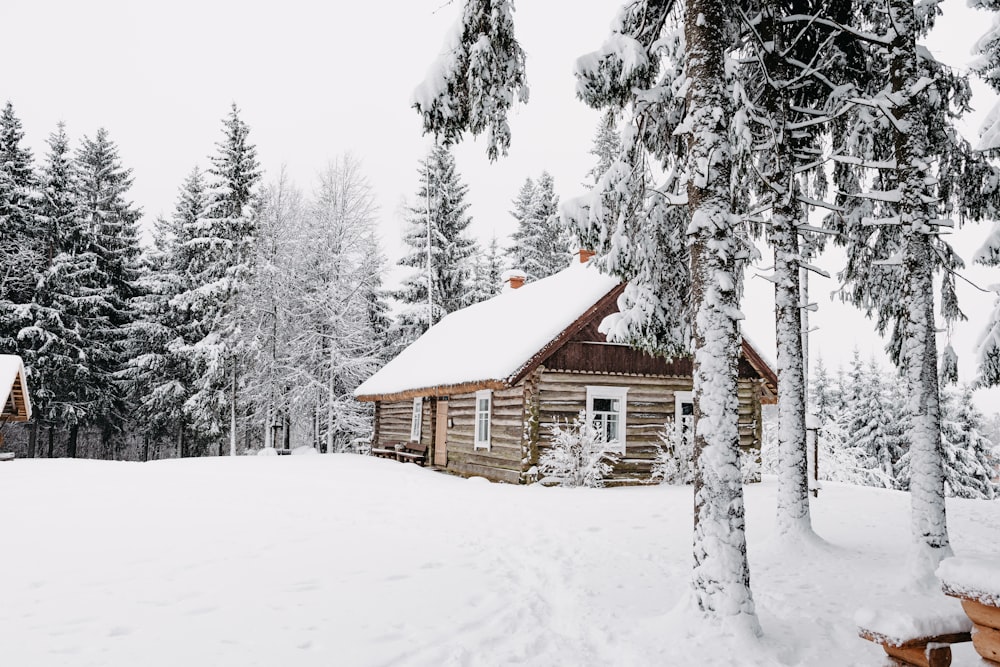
(916, 633)
(387, 450)
(413, 451)
(974, 581)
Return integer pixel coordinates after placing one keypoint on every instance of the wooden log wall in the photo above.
(394, 421)
(503, 460)
(562, 395)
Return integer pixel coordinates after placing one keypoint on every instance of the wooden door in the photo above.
(441, 434)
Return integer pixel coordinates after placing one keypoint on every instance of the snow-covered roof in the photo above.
(492, 341)
(12, 381)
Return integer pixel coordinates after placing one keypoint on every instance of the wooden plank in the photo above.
(483, 458)
(987, 642)
(921, 656)
(982, 614)
(494, 474)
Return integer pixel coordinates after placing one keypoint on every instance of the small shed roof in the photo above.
(489, 343)
(14, 402)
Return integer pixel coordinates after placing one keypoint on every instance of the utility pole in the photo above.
(430, 277)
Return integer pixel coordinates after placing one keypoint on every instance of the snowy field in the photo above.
(347, 560)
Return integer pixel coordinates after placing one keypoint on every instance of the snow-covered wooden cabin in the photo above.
(482, 386)
(15, 406)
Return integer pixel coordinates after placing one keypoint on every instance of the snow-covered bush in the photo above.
(577, 456)
(674, 462)
(750, 465)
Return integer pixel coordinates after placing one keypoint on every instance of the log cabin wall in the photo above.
(650, 402)
(394, 421)
(503, 461)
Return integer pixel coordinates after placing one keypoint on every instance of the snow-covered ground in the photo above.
(348, 560)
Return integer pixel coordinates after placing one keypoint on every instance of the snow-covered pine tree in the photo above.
(721, 572)
(477, 78)
(987, 67)
(62, 383)
(220, 252)
(20, 244)
(111, 221)
(160, 367)
(436, 235)
(785, 99)
(636, 224)
(540, 242)
(607, 146)
(487, 270)
(825, 394)
(627, 72)
(901, 170)
(970, 460)
(871, 429)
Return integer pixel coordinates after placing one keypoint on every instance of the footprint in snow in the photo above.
(119, 631)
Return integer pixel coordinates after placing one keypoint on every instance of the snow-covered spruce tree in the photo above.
(607, 146)
(871, 429)
(477, 78)
(486, 272)
(785, 98)
(721, 572)
(825, 394)
(219, 250)
(335, 270)
(111, 221)
(637, 225)
(160, 368)
(540, 243)
(62, 384)
(970, 460)
(624, 73)
(436, 235)
(901, 170)
(987, 67)
(20, 249)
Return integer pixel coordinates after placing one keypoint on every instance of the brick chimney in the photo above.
(512, 279)
(585, 255)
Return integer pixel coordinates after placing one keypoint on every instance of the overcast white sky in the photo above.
(316, 79)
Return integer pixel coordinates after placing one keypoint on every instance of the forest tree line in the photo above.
(254, 314)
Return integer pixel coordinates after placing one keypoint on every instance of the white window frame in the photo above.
(620, 394)
(680, 398)
(483, 442)
(416, 417)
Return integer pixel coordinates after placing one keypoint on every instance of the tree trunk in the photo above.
(232, 414)
(721, 576)
(33, 439)
(74, 431)
(793, 469)
(180, 441)
(51, 442)
(918, 354)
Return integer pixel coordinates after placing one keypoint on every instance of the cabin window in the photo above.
(416, 418)
(684, 416)
(606, 412)
(484, 405)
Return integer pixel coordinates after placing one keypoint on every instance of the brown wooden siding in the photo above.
(394, 421)
(597, 357)
(562, 395)
(503, 461)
